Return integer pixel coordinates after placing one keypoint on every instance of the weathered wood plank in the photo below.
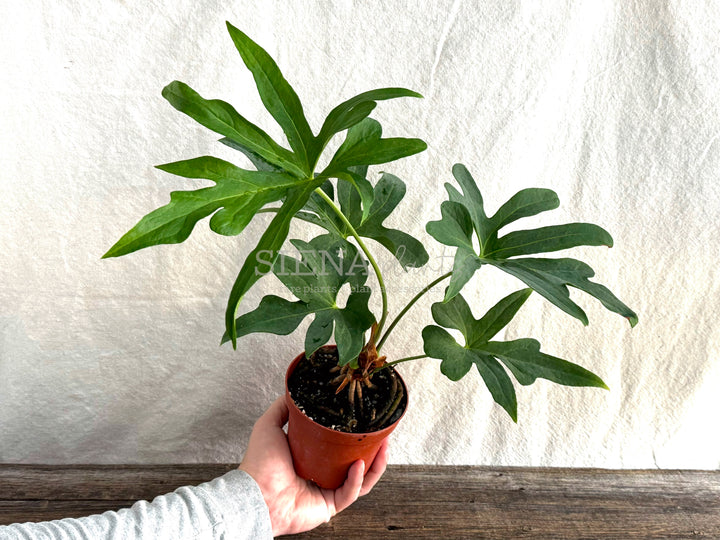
(419, 502)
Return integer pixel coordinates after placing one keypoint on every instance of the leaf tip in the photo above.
(633, 320)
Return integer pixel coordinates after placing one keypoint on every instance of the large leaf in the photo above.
(464, 224)
(364, 146)
(261, 259)
(277, 95)
(238, 192)
(522, 357)
(355, 109)
(222, 118)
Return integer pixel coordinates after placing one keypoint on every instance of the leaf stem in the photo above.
(406, 359)
(362, 245)
(408, 306)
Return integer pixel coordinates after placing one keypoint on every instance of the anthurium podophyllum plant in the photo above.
(342, 201)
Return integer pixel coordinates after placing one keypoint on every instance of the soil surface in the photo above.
(311, 387)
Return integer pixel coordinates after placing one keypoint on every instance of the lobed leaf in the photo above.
(316, 280)
(222, 118)
(522, 357)
(363, 145)
(355, 109)
(238, 192)
(277, 95)
(464, 215)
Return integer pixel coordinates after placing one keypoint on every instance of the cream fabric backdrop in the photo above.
(614, 105)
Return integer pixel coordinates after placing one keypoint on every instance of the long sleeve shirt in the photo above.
(230, 507)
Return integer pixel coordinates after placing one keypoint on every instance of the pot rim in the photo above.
(291, 401)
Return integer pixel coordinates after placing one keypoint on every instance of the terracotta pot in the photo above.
(324, 455)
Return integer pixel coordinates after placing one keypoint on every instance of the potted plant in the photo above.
(348, 393)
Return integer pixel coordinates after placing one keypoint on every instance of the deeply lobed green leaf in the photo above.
(522, 357)
(464, 219)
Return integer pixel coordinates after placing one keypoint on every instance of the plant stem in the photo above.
(362, 245)
(406, 359)
(409, 305)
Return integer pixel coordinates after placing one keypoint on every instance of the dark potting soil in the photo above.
(311, 388)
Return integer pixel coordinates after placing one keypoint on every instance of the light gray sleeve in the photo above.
(231, 507)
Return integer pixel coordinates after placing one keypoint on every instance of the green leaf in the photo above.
(464, 215)
(274, 315)
(527, 363)
(364, 146)
(457, 361)
(363, 187)
(472, 200)
(525, 203)
(455, 228)
(316, 279)
(222, 118)
(387, 194)
(465, 264)
(277, 95)
(547, 239)
(260, 163)
(355, 109)
(550, 278)
(522, 357)
(457, 314)
(266, 251)
(238, 192)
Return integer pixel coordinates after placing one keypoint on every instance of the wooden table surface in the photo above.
(418, 502)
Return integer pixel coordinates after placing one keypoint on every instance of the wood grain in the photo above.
(419, 502)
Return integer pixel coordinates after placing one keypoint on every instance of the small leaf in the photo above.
(498, 317)
(455, 228)
(325, 266)
(523, 356)
(363, 187)
(547, 239)
(472, 200)
(457, 361)
(465, 264)
(277, 95)
(274, 315)
(355, 109)
(364, 146)
(525, 203)
(260, 163)
(222, 118)
(500, 385)
(388, 193)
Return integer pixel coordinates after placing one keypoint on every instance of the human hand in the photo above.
(295, 504)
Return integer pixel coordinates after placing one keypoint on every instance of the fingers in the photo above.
(276, 414)
(376, 470)
(348, 493)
